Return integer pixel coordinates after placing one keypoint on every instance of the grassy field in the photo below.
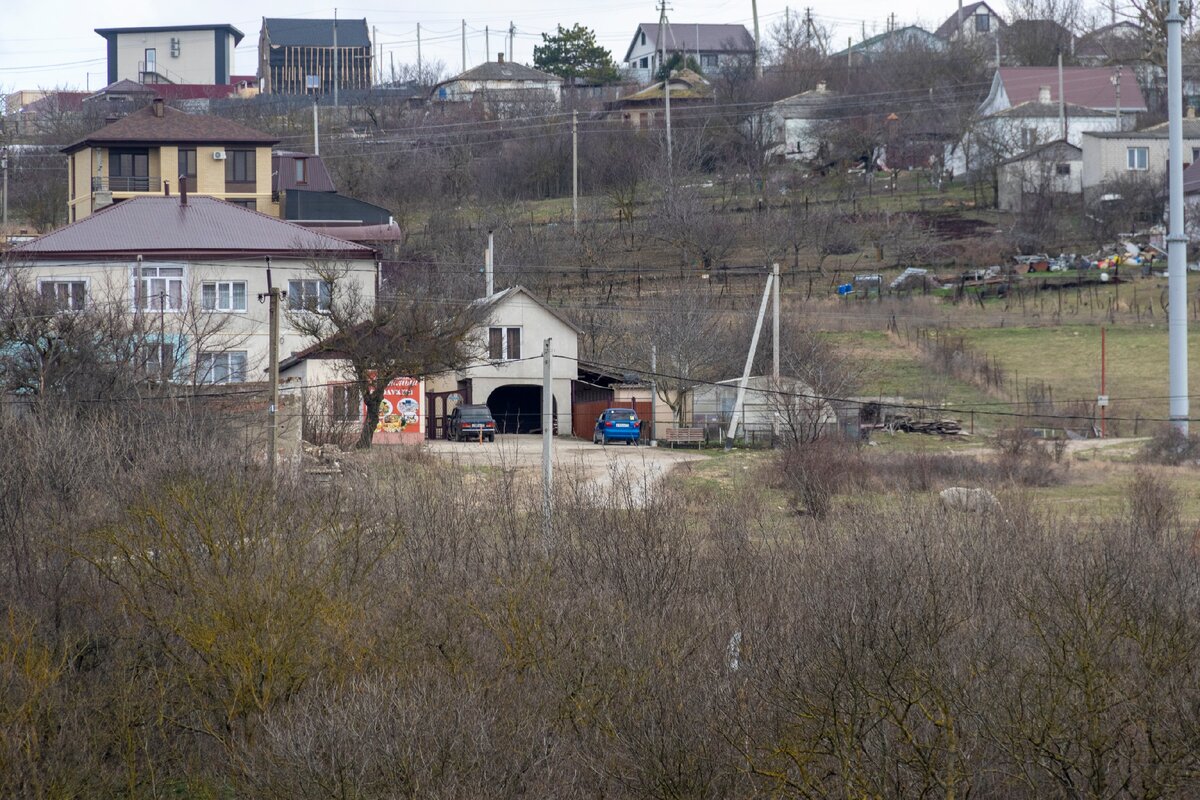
(1068, 358)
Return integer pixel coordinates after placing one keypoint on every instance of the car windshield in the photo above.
(622, 413)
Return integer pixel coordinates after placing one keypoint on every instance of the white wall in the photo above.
(196, 62)
(1105, 158)
(249, 331)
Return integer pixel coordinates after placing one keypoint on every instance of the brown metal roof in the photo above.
(173, 127)
(162, 226)
(283, 172)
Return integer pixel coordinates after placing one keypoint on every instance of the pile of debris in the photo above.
(322, 461)
(939, 427)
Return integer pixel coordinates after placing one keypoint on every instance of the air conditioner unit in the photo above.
(218, 155)
(174, 47)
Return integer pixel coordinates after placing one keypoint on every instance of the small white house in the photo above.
(508, 374)
(797, 121)
(1130, 154)
(501, 87)
(1054, 169)
(712, 47)
(193, 54)
(971, 21)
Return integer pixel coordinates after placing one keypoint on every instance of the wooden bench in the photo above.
(684, 436)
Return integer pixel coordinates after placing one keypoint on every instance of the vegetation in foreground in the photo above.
(177, 626)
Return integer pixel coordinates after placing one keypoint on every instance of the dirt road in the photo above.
(614, 473)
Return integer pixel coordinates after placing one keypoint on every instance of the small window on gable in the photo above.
(1062, 169)
(983, 23)
(301, 170)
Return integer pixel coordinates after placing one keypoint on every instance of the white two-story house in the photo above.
(712, 47)
(189, 272)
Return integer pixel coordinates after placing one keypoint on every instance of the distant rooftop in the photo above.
(237, 35)
(173, 127)
(316, 32)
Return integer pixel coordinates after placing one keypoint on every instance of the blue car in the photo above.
(617, 424)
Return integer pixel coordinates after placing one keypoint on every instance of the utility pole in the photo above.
(960, 22)
(1176, 240)
(735, 420)
(392, 59)
(653, 393)
(512, 34)
(375, 47)
(1116, 80)
(487, 43)
(420, 75)
(273, 294)
(464, 45)
(316, 129)
(575, 171)
(4, 169)
(662, 43)
(1102, 401)
(1062, 101)
(336, 59)
(547, 434)
(757, 42)
(488, 268)
(775, 322)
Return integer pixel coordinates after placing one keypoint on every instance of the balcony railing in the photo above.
(120, 183)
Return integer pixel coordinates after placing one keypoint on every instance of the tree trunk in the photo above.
(370, 422)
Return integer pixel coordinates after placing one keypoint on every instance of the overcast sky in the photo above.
(45, 43)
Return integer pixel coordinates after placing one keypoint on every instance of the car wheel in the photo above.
(492, 438)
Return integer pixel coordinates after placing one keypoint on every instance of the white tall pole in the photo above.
(775, 323)
(1176, 241)
(653, 393)
(336, 59)
(736, 419)
(464, 45)
(316, 129)
(547, 433)
(757, 46)
(420, 73)
(489, 268)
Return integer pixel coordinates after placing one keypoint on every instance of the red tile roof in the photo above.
(1084, 86)
(173, 127)
(162, 226)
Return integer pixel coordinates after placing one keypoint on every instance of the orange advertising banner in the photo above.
(401, 411)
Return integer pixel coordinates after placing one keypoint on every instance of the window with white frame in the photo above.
(68, 294)
(1137, 158)
(221, 367)
(159, 359)
(223, 295)
(309, 295)
(504, 344)
(158, 288)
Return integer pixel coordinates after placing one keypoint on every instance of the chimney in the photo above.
(157, 107)
(183, 190)
(499, 58)
(1044, 95)
(166, 188)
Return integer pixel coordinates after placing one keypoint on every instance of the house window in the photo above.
(1137, 158)
(346, 406)
(151, 60)
(1062, 169)
(159, 288)
(309, 295)
(68, 295)
(504, 344)
(250, 204)
(1028, 137)
(225, 367)
(983, 23)
(708, 60)
(159, 359)
(71, 177)
(129, 170)
(1195, 154)
(301, 170)
(643, 44)
(644, 63)
(187, 165)
(223, 295)
(239, 166)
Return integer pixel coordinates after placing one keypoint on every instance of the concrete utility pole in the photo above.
(757, 41)
(575, 171)
(736, 419)
(1116, 80)
(4, 169)
(1176, 240)
(487, 43)
(960, 21)
(316, 129)
(273, 295)
(464, 45)
(653, 393)
(420, 76)
(547, 433)
(662, 43)
(375, 49)
(488, 268)
(775, 322)
(336, 59)
(512, 34)
(1062, 101)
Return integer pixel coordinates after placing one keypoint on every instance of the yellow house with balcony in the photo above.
(151, 150)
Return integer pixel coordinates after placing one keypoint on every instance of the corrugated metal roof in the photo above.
(690, 37)
(316, 32)
(504, 71)
(283, 172)
(163, 226)
(173, 127)
(1092, 87)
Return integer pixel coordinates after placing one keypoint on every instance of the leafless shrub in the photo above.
(1152, 504)
(1169, 446)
